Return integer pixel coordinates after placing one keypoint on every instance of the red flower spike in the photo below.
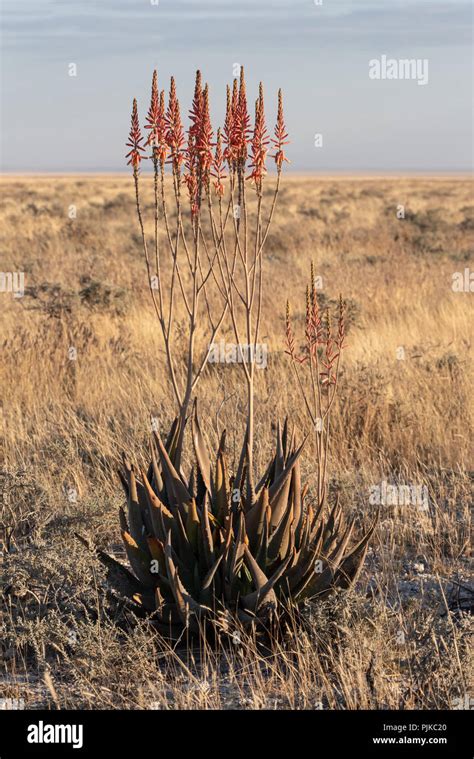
(153, 111)
(204, 143)
(195, 114)
(190, 175)
(242, 121)
(260, 142)
(156, 123)
(228, 127)
(218, 166)
(174, 127)
(199, 156)
(280, 135)
(134, 140)
(231, 126)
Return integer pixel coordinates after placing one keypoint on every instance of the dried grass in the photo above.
(392, 642)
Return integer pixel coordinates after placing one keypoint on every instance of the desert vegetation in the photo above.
(214, 550)
(85, 378)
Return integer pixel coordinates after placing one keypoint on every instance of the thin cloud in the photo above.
(318, 54)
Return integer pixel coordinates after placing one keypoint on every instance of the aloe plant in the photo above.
(209, 548)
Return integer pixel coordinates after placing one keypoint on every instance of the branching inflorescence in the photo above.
(215, 248)
(316, 369)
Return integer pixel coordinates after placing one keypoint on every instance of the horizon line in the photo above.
(329, 173)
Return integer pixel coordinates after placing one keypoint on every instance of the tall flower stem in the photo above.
(215, 264)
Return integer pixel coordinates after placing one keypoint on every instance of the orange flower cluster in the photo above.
(280, 135)
(260, 142)
(201, 128)
(237, 145)
(313, 322)
(333, 346)
(237, 129)
(318, 334)
(175, 131)
(199, 153)
(290, 338)
(191, 159)
(156, 123)
(134, 140)
(218, 167)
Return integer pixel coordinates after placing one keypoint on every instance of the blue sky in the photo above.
(318, 54)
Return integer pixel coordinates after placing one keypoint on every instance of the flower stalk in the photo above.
(215, 262)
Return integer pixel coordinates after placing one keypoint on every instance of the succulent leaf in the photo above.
(201, 557)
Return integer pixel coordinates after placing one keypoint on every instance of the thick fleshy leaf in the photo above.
(261, 555)
(172, 440)
(178, 590)
(258, 575)
(279, 481)
(119, 575)
(268, 477)
(206, 533)
(280, 504)
(210, 590)
(135, 518)
(161, 518)
(280, 540)
(157, 551)
(317, 583)
(190, 611)
(123, 520)
(221, 496)
(239, 475)
(211, 574)
(297, 502)
(143, 503)
(183, 546)
(192, 482)
(200, 450)
(179, 494)
(305, 565)
(192, 524)
(237, 552)
(254, 519)
(124, 480)
(263, 598)
(154, 474)
(139, 560)
(284, 440)
(250, 491)
(279, 455)
(351, 565)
